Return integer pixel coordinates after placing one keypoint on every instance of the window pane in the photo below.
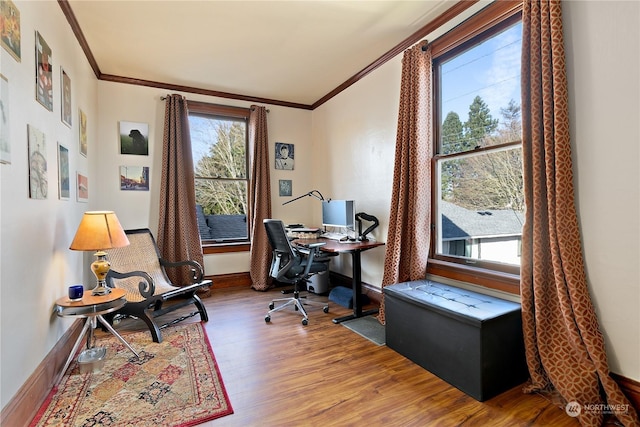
(477, 87)
(224, 208)
(218, 146)
(481, 206)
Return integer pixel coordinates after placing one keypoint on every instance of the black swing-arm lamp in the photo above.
(312, 193)
(362, 236)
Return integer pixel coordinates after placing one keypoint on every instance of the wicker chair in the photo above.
(140, 271)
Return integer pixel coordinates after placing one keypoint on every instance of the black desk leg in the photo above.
(357, 291)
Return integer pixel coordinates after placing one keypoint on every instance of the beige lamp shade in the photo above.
(97, 231)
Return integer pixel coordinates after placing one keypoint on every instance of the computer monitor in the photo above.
(338, 213)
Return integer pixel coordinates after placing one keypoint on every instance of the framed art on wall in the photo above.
(285, 188)
(284, 156)
(65, 110)
(5, 144)
(38, 179)
(134, 178)
(134, 138)
(44, 73)
(63, 172)
(10, 34)
(82, 129)
(82, 187)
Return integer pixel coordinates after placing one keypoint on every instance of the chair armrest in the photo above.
(197, 272)
(146, 287)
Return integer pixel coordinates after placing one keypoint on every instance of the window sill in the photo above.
(505, 282)
(219, 248)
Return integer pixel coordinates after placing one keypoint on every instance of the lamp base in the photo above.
(100, 290)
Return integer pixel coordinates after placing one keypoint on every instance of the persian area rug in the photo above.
(174, 383)
(368, 327)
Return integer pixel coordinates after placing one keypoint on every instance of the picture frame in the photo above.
(285, 188)
(65, 98)
(5, 143)
(82, 132)
(134, 138)
(284, 156)
(44, 73)
(38, 175)
(134, 178)
(64, 189)
(82, 188)
(10, 38)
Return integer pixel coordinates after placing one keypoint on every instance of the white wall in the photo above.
(36, 266)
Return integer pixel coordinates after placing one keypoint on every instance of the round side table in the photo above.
(92, 307)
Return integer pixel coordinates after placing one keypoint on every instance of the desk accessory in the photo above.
(76, 292)
(362, 236)
(99, 230)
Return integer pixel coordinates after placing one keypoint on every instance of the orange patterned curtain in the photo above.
(407, 246)
(260, 194)
(178, 236)
(564, 346)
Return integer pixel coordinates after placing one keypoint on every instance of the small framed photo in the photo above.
(5, 144)
(134, 138)
(10, 24)
(82, 188)
(285, 188)
(284, 156)
(82, 118)
(44, 73)
(134, 178)
(63, 173)
(65, 110)
(38, 177)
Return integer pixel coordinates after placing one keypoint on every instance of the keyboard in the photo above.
(333, 236)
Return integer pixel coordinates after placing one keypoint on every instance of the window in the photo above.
(478, 198)
(219, 147)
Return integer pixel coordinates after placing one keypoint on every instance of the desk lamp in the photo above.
(99, 230)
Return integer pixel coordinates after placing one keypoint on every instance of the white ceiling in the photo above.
(290, 51)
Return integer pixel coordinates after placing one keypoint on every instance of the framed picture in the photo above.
(134, 138)
(5, 144)
(82, 187)
(10, 24)
(65, 110)
(284, 188)
(284, 156)
(63, 173)
(134, 178)
(82, 118)
(38, 179)
(44, 73)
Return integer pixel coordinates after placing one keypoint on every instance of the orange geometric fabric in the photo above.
(564, 346)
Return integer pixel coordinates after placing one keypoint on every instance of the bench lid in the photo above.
(452, 299)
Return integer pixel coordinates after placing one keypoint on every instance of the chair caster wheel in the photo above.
(267, 319)
(325, 308)
(305, 322)
(271, 306)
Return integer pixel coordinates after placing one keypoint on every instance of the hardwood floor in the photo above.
(322, 374)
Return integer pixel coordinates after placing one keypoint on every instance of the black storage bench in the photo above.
(471, 340)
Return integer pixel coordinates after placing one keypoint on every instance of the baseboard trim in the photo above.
(630, 388)
(232, 280)
(25, 404)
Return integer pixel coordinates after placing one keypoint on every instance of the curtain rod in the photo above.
(163, 98)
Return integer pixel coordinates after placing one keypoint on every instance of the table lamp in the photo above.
(99, 230)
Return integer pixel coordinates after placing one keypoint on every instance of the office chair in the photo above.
(293, 266)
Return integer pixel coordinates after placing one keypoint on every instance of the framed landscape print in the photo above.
(44, 73)
(65, 109)
(38, 179)
(5, 144)
(82, 118)
(82, 187)
(134, 178)
(63, 173)
(10, 24)
(134, 138)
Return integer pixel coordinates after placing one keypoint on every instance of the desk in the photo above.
(355, 249)
(92, 307)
